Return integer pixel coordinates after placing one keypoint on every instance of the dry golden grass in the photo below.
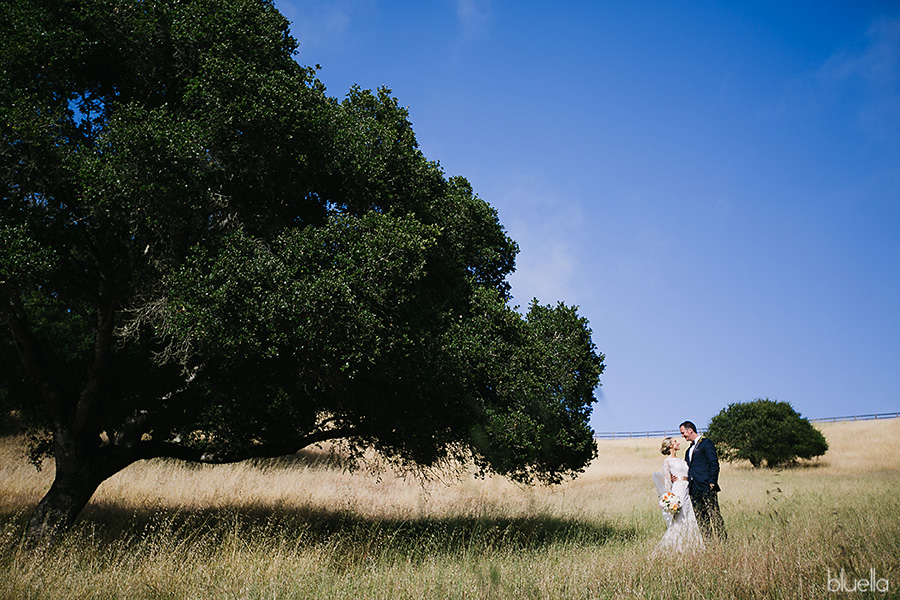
(306, 528)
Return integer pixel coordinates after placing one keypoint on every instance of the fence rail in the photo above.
(893, 415)
(626, 435)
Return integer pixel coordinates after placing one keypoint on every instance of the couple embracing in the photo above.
(690, 501)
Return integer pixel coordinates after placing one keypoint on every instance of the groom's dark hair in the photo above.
(688, 425)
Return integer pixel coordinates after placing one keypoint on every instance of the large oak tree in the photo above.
(203, 256)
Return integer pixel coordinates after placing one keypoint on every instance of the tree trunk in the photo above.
(58, 509)
(77, 478)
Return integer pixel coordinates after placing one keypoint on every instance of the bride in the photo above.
(682, 534)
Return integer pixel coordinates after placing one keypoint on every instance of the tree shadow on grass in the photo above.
(798, 465)
(347, 535)
(346, 538)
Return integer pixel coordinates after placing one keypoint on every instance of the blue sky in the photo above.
(715, 185)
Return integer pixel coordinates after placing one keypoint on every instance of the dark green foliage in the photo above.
(204, 256)
(764, 431)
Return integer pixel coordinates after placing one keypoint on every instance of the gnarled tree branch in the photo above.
(153, 449)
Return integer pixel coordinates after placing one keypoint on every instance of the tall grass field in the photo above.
(309, 528)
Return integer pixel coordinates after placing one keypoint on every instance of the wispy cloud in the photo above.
(859, 83)
(869, 70)
(549, 231)
(473, 17)
(322, 23)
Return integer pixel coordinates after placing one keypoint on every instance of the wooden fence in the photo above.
(661, 433)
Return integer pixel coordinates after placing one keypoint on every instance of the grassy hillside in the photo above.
(307, 528)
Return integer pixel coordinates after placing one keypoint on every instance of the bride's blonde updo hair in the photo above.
(666, 445)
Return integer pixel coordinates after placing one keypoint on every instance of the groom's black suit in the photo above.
(703, 472)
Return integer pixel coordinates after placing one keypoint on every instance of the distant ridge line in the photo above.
(624, 435)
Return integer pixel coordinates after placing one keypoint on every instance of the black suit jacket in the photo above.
(703, 467)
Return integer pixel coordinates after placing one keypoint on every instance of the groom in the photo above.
(703, 473)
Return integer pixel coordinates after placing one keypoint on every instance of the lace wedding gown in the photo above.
(682, 534)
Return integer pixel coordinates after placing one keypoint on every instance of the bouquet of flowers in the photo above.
(669, 502)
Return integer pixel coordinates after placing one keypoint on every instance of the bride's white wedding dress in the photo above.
(682, 534)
